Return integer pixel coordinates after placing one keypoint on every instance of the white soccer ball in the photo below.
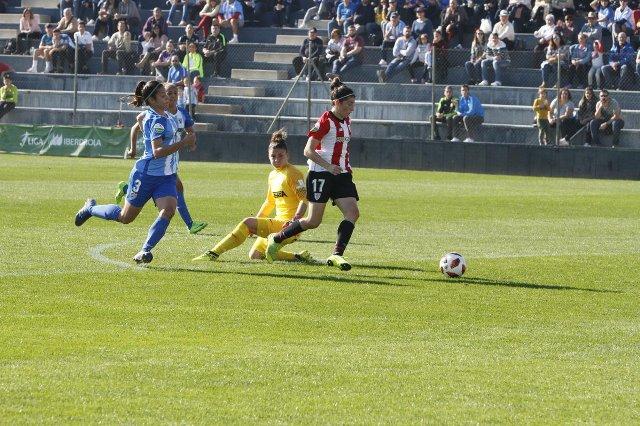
(452, 265)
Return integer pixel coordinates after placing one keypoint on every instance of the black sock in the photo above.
(345, 229)
(294, 228)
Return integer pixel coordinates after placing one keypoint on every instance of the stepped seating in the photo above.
(14, 18)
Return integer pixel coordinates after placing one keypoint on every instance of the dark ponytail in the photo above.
(278, 139)
(340, 92)
(144, 91)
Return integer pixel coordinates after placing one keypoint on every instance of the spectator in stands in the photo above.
(214, 51)
(392, 6)
(344, 16)
(350, 55)
(439, 57)
(104, 22)
(208, 15)
(8, 95)
(568, 30)
(541, 107)
(556, 52)
(421, 59)
(562, 114)
(591, 29)
(586, 113)
(193, 62)
(519, 13)
(605, 15)
(189, 36)
(29, 31)
(470, 115)
(365, 20)
(68, 23)
(46, 43)
(176, 72)
(74, 5)
(151, 48)
(156, 19)
(560, 8)
(474, 64)
(594, 77)
(283, 13)
(87, 11)
(120, 48)
(403, 52)
(454, 23)
(319, 9)
(177, 4)
(421, 25)
(128, 10)
(84, 44)
(162, 64)
(334, 47)
(505, 30)
(199, 88)
(622, 20)
(580, 62)
(545, 33)
(433, 12)
(391, 31)
(608, 118)
(619, 72)
(189, 97)
(541, 8)
(446, 110)
(231, 16)
(62, 53)
(496, 57)
(311, 49)
(260, 11)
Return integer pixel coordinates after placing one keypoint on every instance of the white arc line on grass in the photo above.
(96, 253)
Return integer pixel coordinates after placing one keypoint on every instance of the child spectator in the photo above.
(189, 97)
(199, 88)
(46, 44)
(541, 107)
(594, 78)
(421, 58)
(85, 47)
(8, 95)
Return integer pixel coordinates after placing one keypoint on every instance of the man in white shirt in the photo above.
(505, 30)
(84, 44)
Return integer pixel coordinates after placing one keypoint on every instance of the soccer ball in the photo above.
(452, 265)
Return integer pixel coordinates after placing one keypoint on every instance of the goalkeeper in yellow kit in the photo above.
(286, 193)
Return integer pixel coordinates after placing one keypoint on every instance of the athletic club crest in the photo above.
(317, 195)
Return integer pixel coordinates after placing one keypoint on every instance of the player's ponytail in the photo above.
(144, 91)
(278, 139)
(340, 92)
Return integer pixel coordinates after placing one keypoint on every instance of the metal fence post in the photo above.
(75, 80)
(309, 73)
(558, 100)
(433, 92)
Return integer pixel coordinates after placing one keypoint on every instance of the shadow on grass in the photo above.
(331, 242)
(320, 277)
(393, 268)
(518, 284)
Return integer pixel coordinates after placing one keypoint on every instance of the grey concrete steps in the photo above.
(39, 3)
(274, 57)
(7, 33)
(219, 109)
(236, 91)
(14, 18)
(253, 74)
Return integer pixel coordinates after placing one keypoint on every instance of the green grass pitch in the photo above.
(543, 328)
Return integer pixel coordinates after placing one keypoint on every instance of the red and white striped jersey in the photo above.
(334, 136)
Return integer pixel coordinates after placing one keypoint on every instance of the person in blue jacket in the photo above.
(619, 71)
(470, 115)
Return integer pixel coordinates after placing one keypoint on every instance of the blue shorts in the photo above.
(142, 187)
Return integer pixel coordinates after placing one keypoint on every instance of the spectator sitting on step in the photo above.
(474, 64)
(87, 11)
(545, 33)
(421, 59)
(605, 14)
(619, 71)
(591, 29)
(74, 5)
(185, 5)
(119, 47)
(8, 95)
(505, 30)
(580, 62)
(128, 10)
(29, 31)
(283, 13)
(470, 115)
(208, 15)
(496, 57)
(422, 24)
(549, 68)
(365, 20)
(162, 64)
(68, 23)
(560, 8)
(334, 47)
(608, 119)
(319, 9)
(541, 8)
(446, 110)
(231, 16)
(561, 112)
(586, 113)
(519, 13)
(568, 30)
(104, 22)
(454, 23)
(433, 13)
(189, 36)
(151, 48)
(351, 54)
(46, 43)
(156, 19)
(311, 49)
(594, 78)
(85, 47)
(403, 52)
(622, 20)
(193, 62)
(199, 88)
(391, 31)
(62, 53)
(344, 16)
(176, 72)
(215, 50)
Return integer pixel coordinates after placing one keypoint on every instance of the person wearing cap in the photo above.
(454, 23)
(351, 54)
(391, 31)
(403, 51)
(619, 71)
(591, 29)
(580, 61)
(84, 43)
(312, 48)
(344, 16)
(504, 29)
(422, 24)
(46, 43)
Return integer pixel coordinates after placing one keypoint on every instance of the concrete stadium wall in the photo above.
(527, 160)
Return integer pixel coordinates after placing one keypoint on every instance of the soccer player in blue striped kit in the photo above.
(153, 175)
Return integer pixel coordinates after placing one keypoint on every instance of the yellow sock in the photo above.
(232, 240)
(285, 255)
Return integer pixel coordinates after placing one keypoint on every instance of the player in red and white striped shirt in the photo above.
(329, 176)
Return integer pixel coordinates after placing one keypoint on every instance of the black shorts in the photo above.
(323, 185)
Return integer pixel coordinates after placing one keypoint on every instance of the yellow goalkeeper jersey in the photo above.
(286, 189)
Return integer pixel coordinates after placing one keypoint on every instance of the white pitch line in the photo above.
(96, 253)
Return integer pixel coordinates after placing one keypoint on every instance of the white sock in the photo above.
(35, 64)
(47, 65)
